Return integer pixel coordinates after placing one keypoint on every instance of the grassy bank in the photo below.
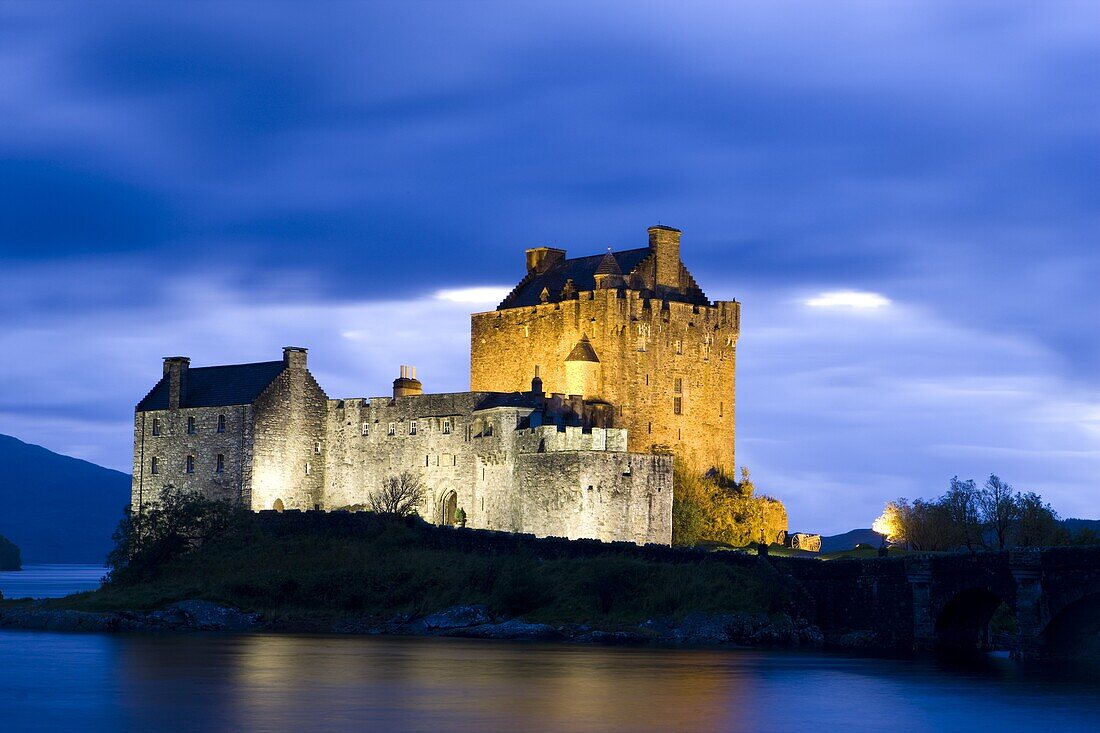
(311, 576)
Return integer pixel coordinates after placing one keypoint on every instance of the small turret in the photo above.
(407, 385)
(608, 274)
(536, 384)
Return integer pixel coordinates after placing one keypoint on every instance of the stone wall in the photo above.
(288, 454)
(651, 355)
(503, 476)
(174, 444)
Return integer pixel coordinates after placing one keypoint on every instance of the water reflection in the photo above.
(304, 683)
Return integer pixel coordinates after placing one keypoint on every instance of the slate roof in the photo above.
(216, 386)
(581, 270)
(608, 265)
(583, 351)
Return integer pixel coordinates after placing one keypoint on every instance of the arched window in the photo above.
(190, 464)
(221, 423)
(278, 505)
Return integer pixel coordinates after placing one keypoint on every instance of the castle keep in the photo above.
(584, 380)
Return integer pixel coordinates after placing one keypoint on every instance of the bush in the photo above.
(715, 509)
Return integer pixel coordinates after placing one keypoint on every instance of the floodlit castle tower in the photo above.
(630, 328)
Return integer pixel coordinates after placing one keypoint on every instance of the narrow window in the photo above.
(412, 427)
(154, 466)
(220, 466)
(392, 429)
(649, 429)
(679, 346)
(365, 431)
(190, 465)
(678, 385)
(317, 448)
(308, 467)
(647, 380)
(156, 426)
(427, 458)
(446, 427)
(721, 409)
(679, 434)
(677, 406)
(221, 423)
(190, 426)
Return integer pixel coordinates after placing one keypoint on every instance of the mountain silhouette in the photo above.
(58, 509)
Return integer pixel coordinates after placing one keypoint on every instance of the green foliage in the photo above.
(312, 576)
(9, 555)
(176, 523)
(716, 509)
(993, 517)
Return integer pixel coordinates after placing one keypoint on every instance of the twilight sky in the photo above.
(904, 196)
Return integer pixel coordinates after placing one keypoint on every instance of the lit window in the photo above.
(412, 427)
(156, 426)
(366, 429)
(190, 426)
(190, 464)
(677, 406)
(154, 466)
(392, 429)
(446, 427)
(678, 385)
(221, 423)
(679, 346)
(220, 467)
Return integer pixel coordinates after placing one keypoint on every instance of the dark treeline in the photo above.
(993, 516)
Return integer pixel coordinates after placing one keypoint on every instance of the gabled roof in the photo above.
(581, 270)
(216, 386)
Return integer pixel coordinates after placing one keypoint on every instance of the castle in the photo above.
(584, 381)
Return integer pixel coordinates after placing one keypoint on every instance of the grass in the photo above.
(312, 578)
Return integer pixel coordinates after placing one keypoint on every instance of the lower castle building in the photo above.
(265, 436)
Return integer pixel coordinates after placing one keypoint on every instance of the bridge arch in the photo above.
(963, 622)
(1074, 631)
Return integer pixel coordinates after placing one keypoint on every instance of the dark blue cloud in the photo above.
(947, 156)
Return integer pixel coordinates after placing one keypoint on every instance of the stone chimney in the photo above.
(294, 357)
(175, 368)
(536, 384)
(541, 259)
(407, 385)
(665, 244)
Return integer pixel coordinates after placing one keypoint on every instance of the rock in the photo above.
(856, 640)
(459, 617)
(204, 616)
(612, 638)
(513, 629)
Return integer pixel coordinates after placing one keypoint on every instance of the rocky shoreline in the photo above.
(699, 629)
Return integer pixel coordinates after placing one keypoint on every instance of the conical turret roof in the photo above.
(583, 351)
(608, 266)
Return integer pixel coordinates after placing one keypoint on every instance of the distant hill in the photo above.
(9, 555)
(848, 540)
(1076, 525)
(58, 509)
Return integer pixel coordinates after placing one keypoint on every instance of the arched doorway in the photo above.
(278, 505)
(448, 506)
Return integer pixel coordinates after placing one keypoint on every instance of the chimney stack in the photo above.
(536, 384)
(665, 244)
(294, 357)
(541, 259)
(175, 368)
(407, 385)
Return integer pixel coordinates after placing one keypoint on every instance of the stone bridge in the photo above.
(1051, 598)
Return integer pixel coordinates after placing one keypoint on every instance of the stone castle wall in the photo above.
(288, 446)
(174, 444)
(647, 348)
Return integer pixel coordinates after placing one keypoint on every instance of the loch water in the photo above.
(145, 683)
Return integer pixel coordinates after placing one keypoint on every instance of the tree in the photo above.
(999, 509)
(1037, 523)
(961, 501)
(399, 495)
(177, 522)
